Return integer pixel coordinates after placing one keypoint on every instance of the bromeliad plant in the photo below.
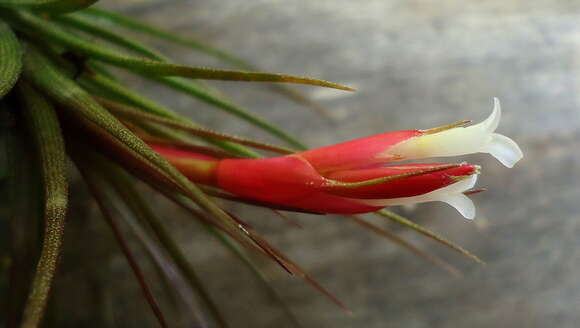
(58, 98)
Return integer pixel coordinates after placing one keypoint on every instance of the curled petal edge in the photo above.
(452, 195)
(478, 138)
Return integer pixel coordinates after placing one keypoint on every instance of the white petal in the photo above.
(452, 195)
(492, 122)
(504, 150)
(478, 138)
(463, 204)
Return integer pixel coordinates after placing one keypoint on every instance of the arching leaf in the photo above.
(10, 59)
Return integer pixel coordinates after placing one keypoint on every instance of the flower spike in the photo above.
(358, 176)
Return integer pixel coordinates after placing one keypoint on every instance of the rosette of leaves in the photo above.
(59, 102)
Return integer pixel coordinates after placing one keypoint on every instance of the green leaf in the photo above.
(171, 135)
(23, 201)
(91, 177)
(10, 59)
(204, 93)
(79, 23)
(207, 96)
(410, 224)
(117, 91)
(405, 244)
(202, 47)
(174, 284)
(234, 249)
(253, 240)
(71, 97)
(267, 249)
(42, 72)
(134, 25)
(44, 127)
(124, 187)
(52, 6)
(195, 91)
(194, 129)
(36, 25)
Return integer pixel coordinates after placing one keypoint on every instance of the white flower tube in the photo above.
(452, 195)
(478, 138)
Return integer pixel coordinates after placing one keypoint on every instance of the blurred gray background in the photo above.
(416, 64)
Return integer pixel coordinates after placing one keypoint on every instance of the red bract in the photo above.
(352, 177)
(293, 181)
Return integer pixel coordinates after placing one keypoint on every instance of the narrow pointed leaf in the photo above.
(42, 72)
(202, 47)
(125, 189)
(197, 92)
(100, 69)
(132, 98)
(66, 92)
(153, 67)
(256, 241)
(24, 205)
(234, 249)
(182, 201)
(211, 96)
(90, 178)
(81, 132)
(174, 284)
(44, 127)
(150, 174)
(79, 23)
(405, 244)
(135, 25)
(118, 91)
(52, 6)
(193, 129)
(184, 138)
(265, 248)
(291, 266)
(410, 224)
(287, 219)
(10, 59)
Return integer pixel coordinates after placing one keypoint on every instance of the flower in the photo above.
(479, 138)
(353, 177)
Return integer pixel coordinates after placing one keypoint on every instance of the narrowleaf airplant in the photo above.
(59, 101)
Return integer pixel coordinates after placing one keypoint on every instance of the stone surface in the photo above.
(416, 64)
